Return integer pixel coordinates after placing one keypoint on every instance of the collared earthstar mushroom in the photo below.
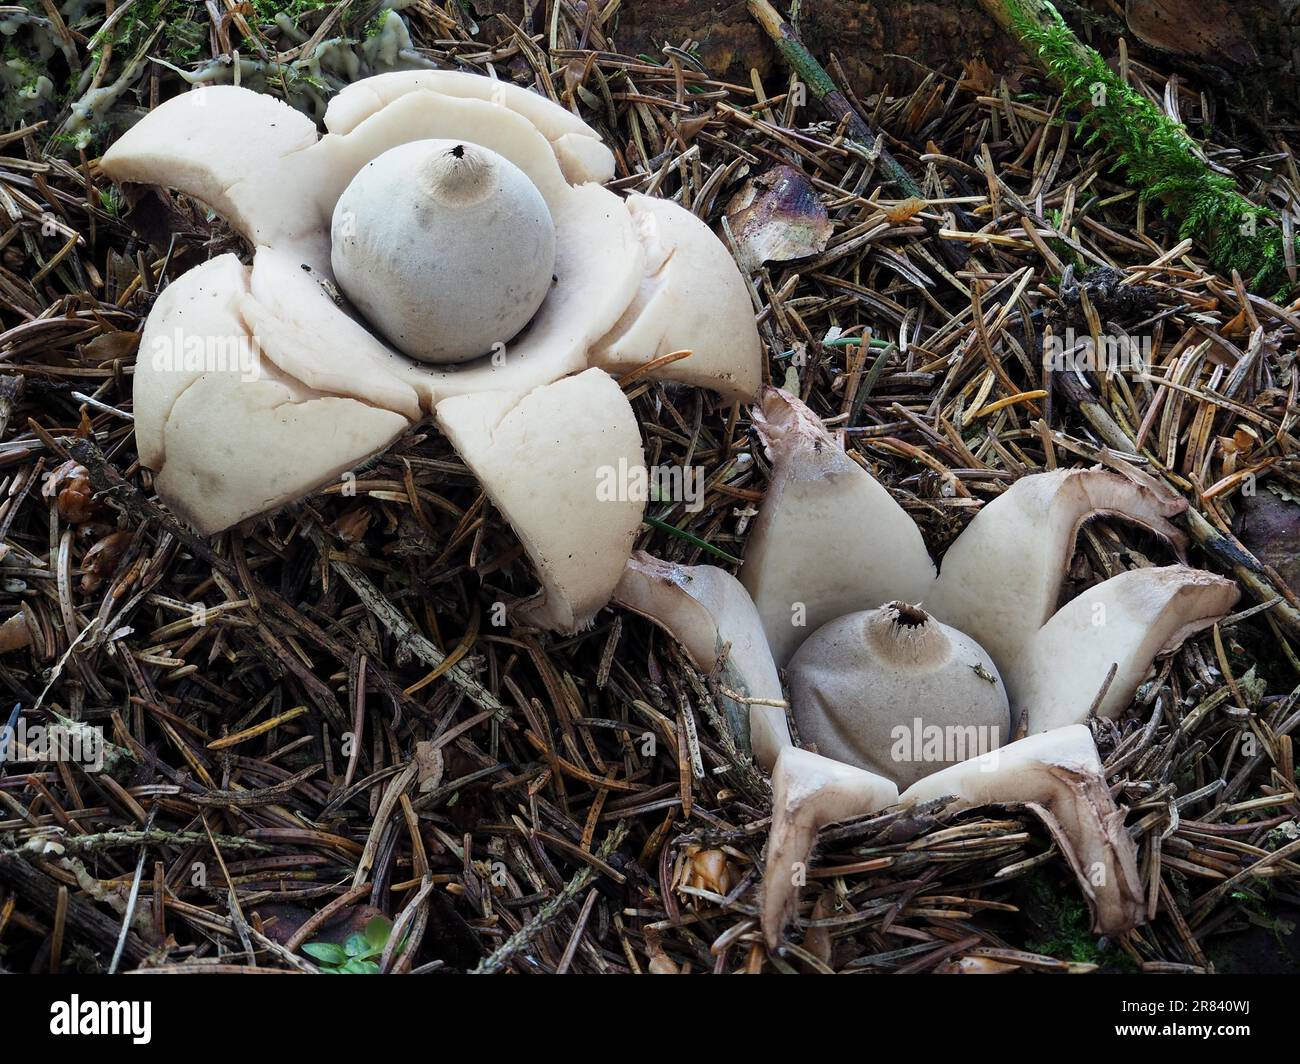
(1000, 581)
(486, 265)
(830, 543)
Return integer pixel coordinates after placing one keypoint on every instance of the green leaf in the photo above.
(356, 945)
(377, 932)
(690, 537)
(356, 966)
(326, 952)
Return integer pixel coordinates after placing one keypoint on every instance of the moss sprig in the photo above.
(1159, 156)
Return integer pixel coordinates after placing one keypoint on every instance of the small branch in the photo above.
(41, 891)
(107, 840)
(823, 87)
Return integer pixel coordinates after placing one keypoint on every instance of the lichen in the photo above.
(27, 44)
(174, 34)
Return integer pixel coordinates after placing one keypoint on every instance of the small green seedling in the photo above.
(357, 954)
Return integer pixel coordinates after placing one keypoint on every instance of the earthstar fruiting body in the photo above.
(829, 540)
(624, 282)
(1001, 578)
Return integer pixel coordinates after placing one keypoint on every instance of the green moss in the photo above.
(110, 201)
(266, 10)
(1068, 927)
(186, 40)
(1071, 940)
(1160, 157)
(64, 142)
(376, 25)
(183, 39)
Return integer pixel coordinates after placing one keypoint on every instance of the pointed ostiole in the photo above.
(1058, 775)
(1001, 578)
(259, 164)
(1122, 623)
(828, 540)
(808, 792)
(708, 611)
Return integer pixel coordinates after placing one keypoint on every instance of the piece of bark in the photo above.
(1217, 31)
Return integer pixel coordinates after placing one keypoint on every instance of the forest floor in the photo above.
(347, 734)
